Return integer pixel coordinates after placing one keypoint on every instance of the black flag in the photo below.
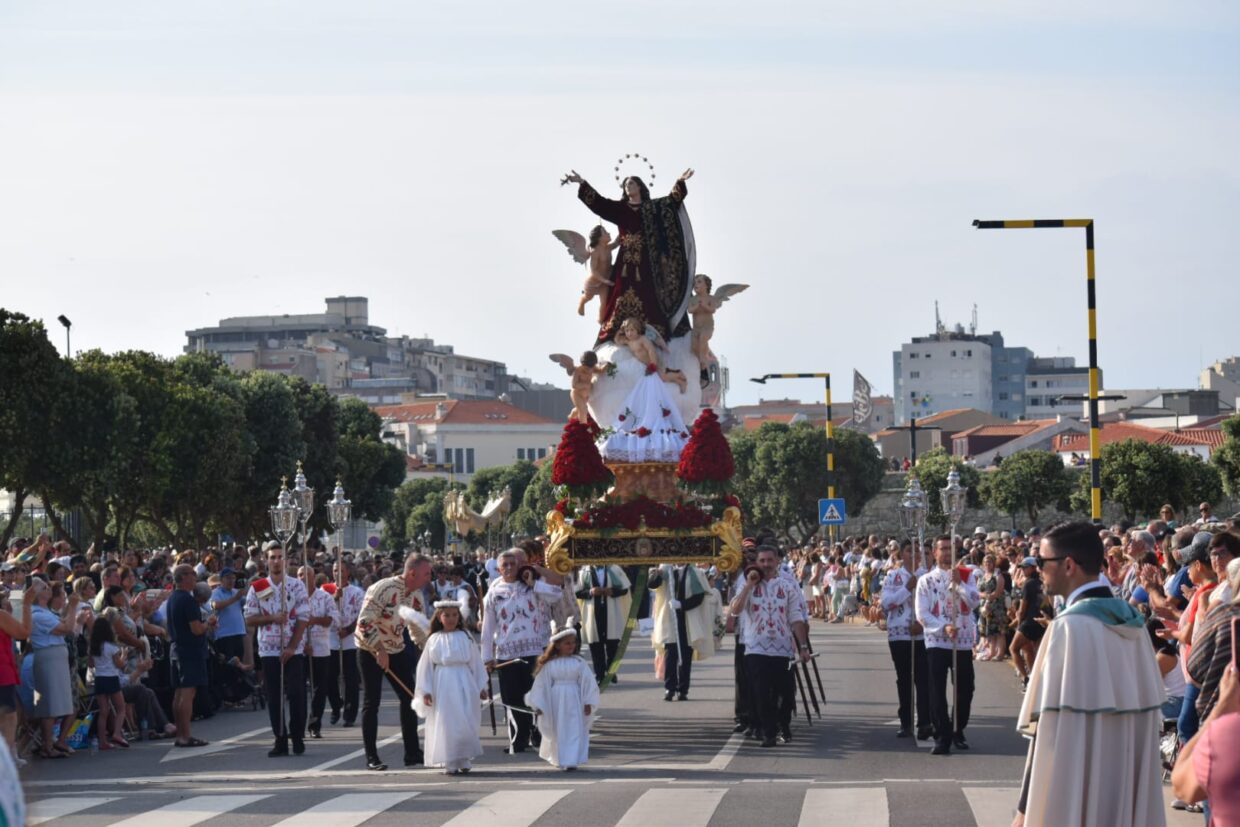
(862, 409)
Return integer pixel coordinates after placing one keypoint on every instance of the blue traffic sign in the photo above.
(831, 512)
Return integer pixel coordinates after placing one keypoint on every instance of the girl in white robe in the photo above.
(564, 695)
(451, 680)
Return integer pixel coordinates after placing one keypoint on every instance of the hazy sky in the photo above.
(164, 165)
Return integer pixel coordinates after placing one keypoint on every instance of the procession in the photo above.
(690, 415)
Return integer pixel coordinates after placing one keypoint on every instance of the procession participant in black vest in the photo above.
(680, 623)
(775, 633)
(515, 631)
(603, 597)
(907, 645)
(279, 608)
(392, 606)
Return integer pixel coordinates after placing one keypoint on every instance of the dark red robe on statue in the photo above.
(653, 271)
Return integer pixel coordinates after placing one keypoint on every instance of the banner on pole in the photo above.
(862, 407)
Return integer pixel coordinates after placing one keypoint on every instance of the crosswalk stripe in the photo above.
(347, 810)
(992, 806)
(856, 806)
(680, 807)
(48, 809)
(507, 808)
(190, 811)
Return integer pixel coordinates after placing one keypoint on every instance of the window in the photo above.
(469, 460)
(969, 353)
(542, 453)
(1003, 378)
(457, 458)
(1003, 414)
(1033, 383)
(928, 355)
(520, 453)
(914, 374)
(953, 354)
(1003, 396)
(913, 355)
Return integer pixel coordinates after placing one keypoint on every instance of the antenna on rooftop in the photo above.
(973, 324)
(939, 330)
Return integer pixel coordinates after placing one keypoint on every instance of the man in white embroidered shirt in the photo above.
(944, 605)
(775, 630)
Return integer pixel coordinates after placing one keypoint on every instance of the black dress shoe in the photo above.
(904, 732)
(278, 749)
(924, 733)
(315, 731)
(335, 719)
(942, 748)
(767, 742)
(669, 695)
(347, 723)
(375, 764)
(741, 728)
(960, 742)
(683, 696)
(415, 761)
(299, 746)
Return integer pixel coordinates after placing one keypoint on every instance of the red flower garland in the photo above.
(706, 463)
(630, 516)
(578, 466)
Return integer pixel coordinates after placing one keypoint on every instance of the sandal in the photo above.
(192, 742)
(64, 749)
(52, 754)
(120, 742)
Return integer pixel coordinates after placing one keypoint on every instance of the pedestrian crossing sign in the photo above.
(831, 512)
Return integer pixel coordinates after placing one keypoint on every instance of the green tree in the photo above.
(1028, 482)
(318, 413)
(417, 507)
(539, 498)
(1138, 477)
(370, 468)
(1202, 481)
(489, 482)
(932, 469)
(781, 473)
(32, 378)
(1227, 458)
(274, 444)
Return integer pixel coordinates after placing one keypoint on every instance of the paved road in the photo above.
(652, 763)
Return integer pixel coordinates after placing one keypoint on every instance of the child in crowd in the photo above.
(565, 695)
(108, 660)
(450, 681)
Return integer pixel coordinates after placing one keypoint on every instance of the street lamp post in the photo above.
(826, 377)
(954, 495)
(283, 525)
(303, 498)
(64, 320)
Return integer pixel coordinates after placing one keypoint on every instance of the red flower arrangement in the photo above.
(652, 368)
(632, 514)
(642, 432)
(706, 465)
(578, 466)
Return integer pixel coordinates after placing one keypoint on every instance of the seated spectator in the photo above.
(1167, 656)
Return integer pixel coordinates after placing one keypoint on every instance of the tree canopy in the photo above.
(1028, 482)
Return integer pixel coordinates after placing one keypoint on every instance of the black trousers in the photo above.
(772, 684)
(910, 677)
(515, 681)
(352, 682)
(676, 669)
(326, 687)
(294, 692)
(940, 663)
(401, 665)
(602, 654)
(742, 701)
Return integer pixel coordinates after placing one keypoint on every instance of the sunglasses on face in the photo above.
(1042, 561)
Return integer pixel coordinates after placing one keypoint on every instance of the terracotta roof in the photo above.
(463, 412)
(753, 423)
(1120, 431)
(942, 415)
(1015, 429)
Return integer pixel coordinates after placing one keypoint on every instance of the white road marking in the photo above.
(41, 811)
(347, 810)
(318, 768)
(507, 808)
(681, 807)
(176, 753)
(189, 812)
(857, 806)
(992, 806)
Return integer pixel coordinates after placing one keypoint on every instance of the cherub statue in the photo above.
(596, 255)
(643, 345)
(702, 307)
(583, 381)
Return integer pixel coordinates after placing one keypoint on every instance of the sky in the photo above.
(166, 165)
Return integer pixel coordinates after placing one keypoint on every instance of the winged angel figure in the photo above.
(702, 307)
(596, 255)
(582, 380)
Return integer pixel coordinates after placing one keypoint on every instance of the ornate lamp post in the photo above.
(303, 498)
(953, 496)
(339, 510)
(913, 518)
(283, 525)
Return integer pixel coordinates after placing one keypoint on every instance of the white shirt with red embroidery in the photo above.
(897, 602)
(273, 637)
(515, 622)
(934, 609)
(322, 604)
(348, 607)
(773, 606)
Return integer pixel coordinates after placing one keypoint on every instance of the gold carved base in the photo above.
(719, 544)
(656, 480)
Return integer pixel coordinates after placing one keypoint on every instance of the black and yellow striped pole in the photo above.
(1095, 461)
(826, 377)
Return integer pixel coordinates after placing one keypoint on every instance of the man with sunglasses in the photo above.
(1092, 708)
